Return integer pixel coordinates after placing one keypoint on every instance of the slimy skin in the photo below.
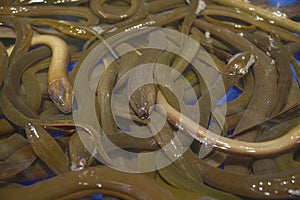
(99, 179)
(253, 149)
(97, 7)
(31, 11)
(266, 14)
(59, 86)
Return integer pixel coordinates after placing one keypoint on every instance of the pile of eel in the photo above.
(235, 64)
